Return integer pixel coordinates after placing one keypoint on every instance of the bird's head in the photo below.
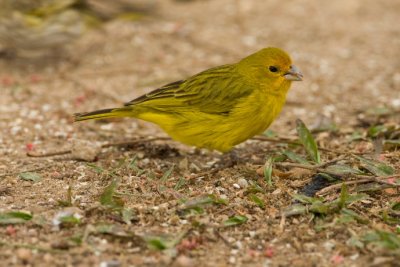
(271, 67)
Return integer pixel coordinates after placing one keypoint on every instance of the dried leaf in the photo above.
(383, 239)
(108, 197)
(268, 171)
(295, 157)
(30, 176)
(342, 169)
(376, 167)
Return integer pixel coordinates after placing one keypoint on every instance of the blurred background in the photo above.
(63, 56)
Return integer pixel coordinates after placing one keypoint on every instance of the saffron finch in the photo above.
(219, 107)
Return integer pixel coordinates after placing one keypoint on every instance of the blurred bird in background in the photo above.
(31, 29)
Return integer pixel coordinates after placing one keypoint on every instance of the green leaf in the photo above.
(356, 135)
(355, 241)
(167, 174)
(376, 167)
(181, 182)
(306, 199)
(15, 217)
(108, 197)
(389, 219)
(349, 215)
(308, 141)
(69, 220)
(127, 216)
(391, 144)
(268, 171)
(269, 133)
(68, 201)
(376, 130)
(30, 176)
(255, 188)
(342, 169)
(259, 202)
(205, 200)
(196, 210)
(395, 206)
(115, 230)
(379, 111)
(344, 195)
(164, 242)
(383, 239)
(319, 207)
(235, 220)
(157, 243)
(295, 157)
(295, 209)
(96, 168)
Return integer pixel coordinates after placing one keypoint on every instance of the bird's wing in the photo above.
(214, 91)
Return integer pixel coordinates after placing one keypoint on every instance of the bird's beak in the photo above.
(294, 74)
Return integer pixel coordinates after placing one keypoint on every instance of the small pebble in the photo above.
(242, 183)
(236, 186)
(184, 261)
(277, 192)
(24, 254)
(329, 245)
(48, 258)
(111, 263)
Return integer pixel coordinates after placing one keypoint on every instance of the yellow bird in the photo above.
(219, 107)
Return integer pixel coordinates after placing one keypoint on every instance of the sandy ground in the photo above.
(349, 53)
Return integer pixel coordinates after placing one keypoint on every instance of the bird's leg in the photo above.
(228, 160)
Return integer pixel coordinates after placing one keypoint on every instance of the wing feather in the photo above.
(214, 91)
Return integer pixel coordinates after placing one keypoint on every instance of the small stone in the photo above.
(48, 258)
(236, 186)
(277, 192)
(329, 245)
(84, 150)
(183, 261)
(242, 183)
(24, 254)
(184, 164)
(111, 263)
(354, 257)
(252, 234)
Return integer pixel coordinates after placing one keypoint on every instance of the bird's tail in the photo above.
(104, 114)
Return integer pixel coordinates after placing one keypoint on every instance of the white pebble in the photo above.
(242, 183)
(236, 186)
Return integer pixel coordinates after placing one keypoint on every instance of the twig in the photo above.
(327, 189)
(220, 236)
(204, 173)
(49, 154)
(309, 167)
(366, 179)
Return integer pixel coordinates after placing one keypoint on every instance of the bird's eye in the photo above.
(273, 69)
